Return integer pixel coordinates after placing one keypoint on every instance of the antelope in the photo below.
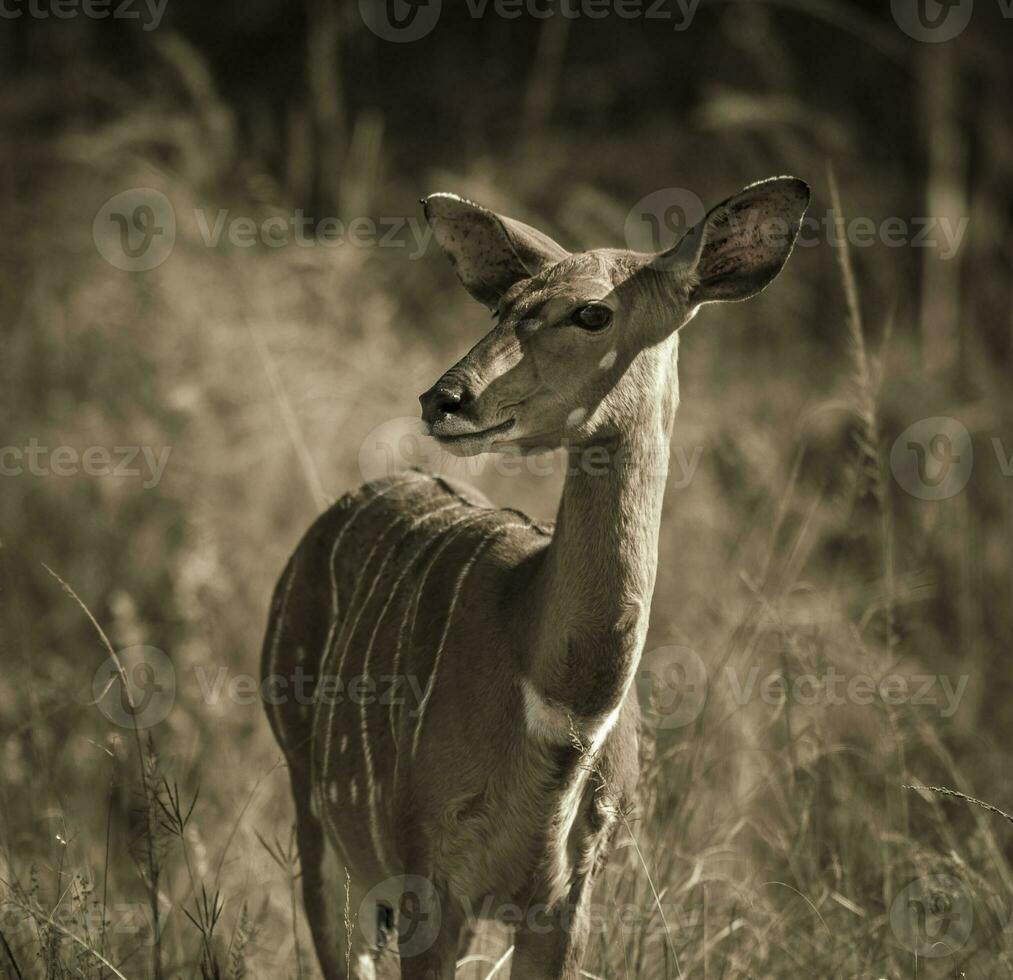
(500, 782)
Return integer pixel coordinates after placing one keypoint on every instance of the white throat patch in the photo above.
(546, 721)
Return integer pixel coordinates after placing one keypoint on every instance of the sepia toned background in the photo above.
(218, 304)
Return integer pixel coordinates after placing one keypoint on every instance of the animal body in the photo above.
(466, 736)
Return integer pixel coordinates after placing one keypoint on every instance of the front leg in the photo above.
(550, 944)
(430, 926)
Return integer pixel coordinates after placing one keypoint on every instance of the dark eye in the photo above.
(594, 316)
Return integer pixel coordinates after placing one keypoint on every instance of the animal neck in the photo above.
(597, 576)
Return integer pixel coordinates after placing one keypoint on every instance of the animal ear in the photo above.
(741, 246)
(488, 251)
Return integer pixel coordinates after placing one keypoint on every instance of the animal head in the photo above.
(558, 367)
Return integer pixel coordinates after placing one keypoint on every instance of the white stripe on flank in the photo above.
(335, 608)
(432, 481)
(332, 561)
(333, 569)
(329, 657)
(351, 628)
(335, 603)
(272, 659)
(446, 627)
(367, 755)
(450, 534)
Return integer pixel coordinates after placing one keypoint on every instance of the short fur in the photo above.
(499, 781)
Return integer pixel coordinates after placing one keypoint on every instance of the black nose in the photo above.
(444, 398)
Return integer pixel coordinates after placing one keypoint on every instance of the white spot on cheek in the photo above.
(608, 360)
(576, 416)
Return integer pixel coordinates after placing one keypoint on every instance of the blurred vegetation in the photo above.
(778, 837)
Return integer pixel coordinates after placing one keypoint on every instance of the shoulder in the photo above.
(414, 496)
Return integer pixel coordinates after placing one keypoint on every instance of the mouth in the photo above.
(479, 435)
